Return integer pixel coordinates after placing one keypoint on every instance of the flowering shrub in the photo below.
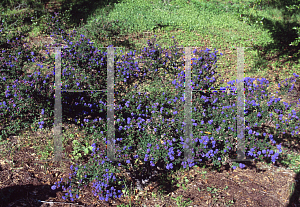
(135, 111)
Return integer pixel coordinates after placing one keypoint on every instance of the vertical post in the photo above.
(188, 105)
(58, 105)
(110, 105)
(57, 108)
(240, 104)
(240, 107)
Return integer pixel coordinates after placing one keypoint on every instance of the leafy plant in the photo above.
(230, 203)
(186, 180)
(127, 191)
(212, 190)
(251, 19)
(293, 161)
(181, 203)
(79, 148)
(101, 29)
(288, 10)
(123, 205)
(297, 8)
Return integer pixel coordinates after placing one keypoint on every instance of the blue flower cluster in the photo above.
(137, 128)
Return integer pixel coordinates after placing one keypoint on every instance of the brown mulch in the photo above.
(256, 185)
(253, 186)
(25, 181)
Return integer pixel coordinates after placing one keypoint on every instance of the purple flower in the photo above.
(169, 166)
(242, 165)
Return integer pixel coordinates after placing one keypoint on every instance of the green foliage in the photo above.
(297, 8)
(13, 25)
(288, 10)
(252, 18)
(181, 203)
(101, 29)
(292, 160)
(293, 7)
(78, 149)
(80, 10)
(11, 5)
